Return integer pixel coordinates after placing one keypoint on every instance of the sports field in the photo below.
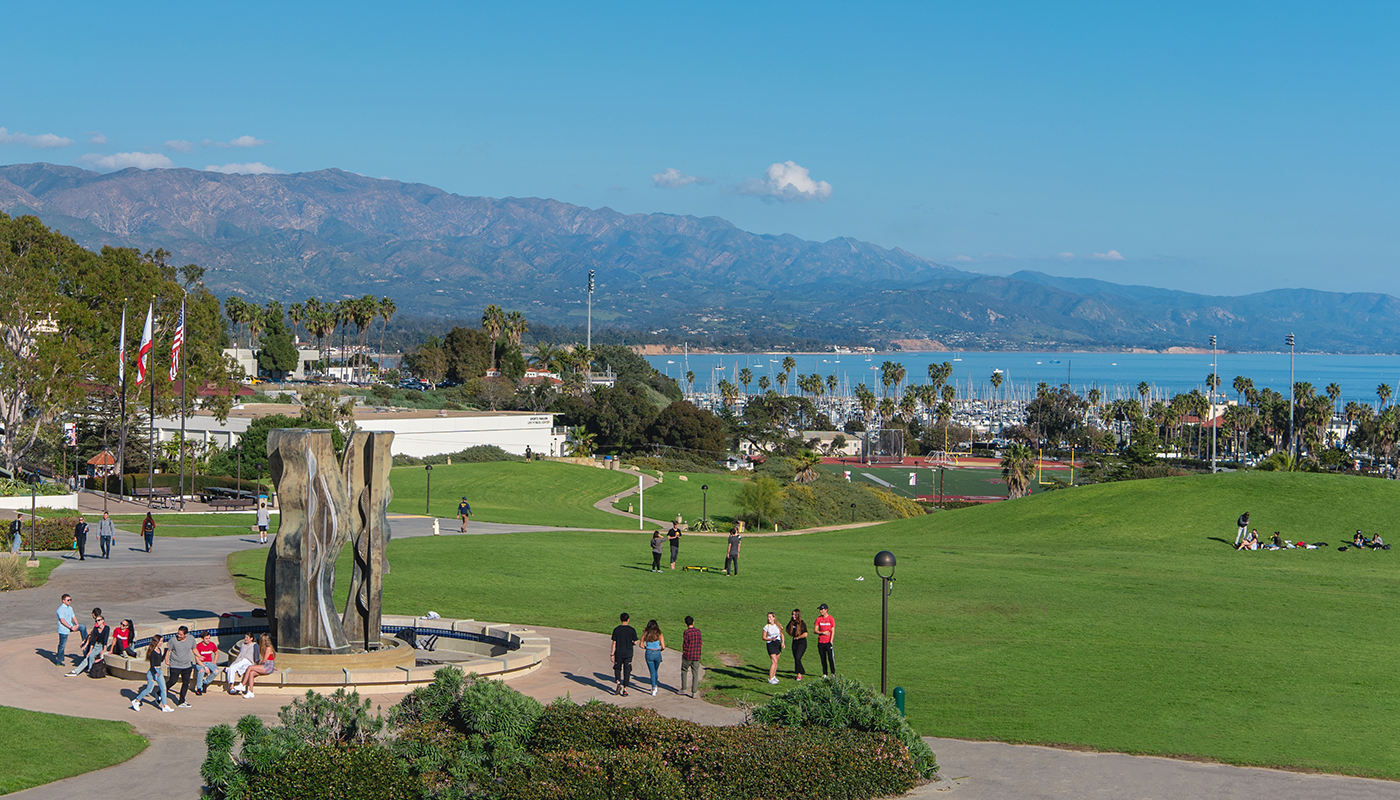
(536, 493)
(1115, 616)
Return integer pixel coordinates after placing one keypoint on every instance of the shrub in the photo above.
(593, 775)
(342, 718)
(362, 773)
(13, 573)
(846, 703)
(14, 488)
(480, 454)
(52, 533)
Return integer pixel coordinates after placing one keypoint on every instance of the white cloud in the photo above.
(1064, 255)
(180, 146)
(96, 137)
(673, 178)
(123, 160)
(255, 168)
(242, 141)
(1111, 255)
(787, 182)
(44, 141)
(962, 258)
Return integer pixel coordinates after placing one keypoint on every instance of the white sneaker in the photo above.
(653, 691)
(185, 705)
(248, 695)
(72, 674)
(135, 705)
(167, 709)
(237, 688)
(773, 681)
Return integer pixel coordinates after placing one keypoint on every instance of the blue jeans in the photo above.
(94, 654)
(154, 678)
(653, 665)
(63, 643)
(204, 675)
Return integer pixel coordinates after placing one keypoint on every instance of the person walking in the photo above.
(653, 645)
(80, 532)
(122, 637)
(94, 645)
(691, 643)
(264, 520)
(1243, 522)
(674, 537)
(67, 625)
(148, 530)
(731, 559)
(206, 662)
(182, 663)
(826, 631)
(17, 533)
(155, 677)
(797, 634)
(266, 667)
(246, 657)
(464, 513)
(623, 638)
(656, 544)
(773, 639)
(106, 532)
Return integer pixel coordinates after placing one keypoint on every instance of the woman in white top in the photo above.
(773, 637)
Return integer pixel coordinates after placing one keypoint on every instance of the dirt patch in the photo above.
(730, 660)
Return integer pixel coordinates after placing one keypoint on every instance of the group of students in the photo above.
(187, 658)
(653, 642)
(673, 537)
(1247, 538)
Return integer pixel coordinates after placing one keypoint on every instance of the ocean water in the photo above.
(1114, 374)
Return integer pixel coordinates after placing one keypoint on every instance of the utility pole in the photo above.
(590, 311)
(1214, 379)
(1292, 442)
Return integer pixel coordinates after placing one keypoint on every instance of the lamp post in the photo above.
(1292, 442)
(428, 499)
(704, 503)
(1214, 378)
(853, 513)
(884, 560)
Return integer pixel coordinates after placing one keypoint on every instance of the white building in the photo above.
(417, 433)
(247, 360)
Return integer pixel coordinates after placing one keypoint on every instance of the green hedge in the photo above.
(357, 773)
(53, 533)
(594, 775)
(480, 454)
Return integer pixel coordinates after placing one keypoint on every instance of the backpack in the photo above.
(98, 669)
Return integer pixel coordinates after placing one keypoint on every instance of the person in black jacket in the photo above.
(1243, 522)
(80, 536)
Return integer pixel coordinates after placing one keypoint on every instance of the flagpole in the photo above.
(184, 374)
(121, 378)
(148, 345)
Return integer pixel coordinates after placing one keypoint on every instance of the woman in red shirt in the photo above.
(267, 667)
(121, 639)
(207, 651)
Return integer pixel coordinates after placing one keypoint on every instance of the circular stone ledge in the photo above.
(490, 650)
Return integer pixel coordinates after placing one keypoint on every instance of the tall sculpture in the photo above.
(324, 506)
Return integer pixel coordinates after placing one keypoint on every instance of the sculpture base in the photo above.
(391, 653)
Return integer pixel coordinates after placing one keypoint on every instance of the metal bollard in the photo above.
(899, 699)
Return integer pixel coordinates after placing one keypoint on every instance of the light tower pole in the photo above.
(1292, 442)
(590, 311)
(1214, 379)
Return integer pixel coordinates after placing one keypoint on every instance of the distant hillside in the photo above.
(332, 233)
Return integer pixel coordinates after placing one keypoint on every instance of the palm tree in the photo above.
(363, 312)
(581, 442)
(690, 380)
(789, 364)
(783, 379)
(516, 327)
(1143, 389)
(866, 398)
(831, 384)
(887, 409)
(296, 313)
(1242, 386)
(908, 404)
(1383, 392)
(1334, 393)
(887, 376)
(493, 321)
(807, 467)
(1017, 467)
(545, 357)
(728, 392)
(745, 377)
(387, 309)
(764, 383)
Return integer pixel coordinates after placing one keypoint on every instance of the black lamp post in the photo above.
(704, 502)
(853, 513)
(884, 560)
(428, 500)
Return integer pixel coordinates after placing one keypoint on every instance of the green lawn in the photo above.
(38, 576)
(537, 493)
(976, 482)
(41, 748)
(187, 525)
(674, 496)
(1115, 617)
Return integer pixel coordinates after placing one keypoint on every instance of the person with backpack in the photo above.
(264, 522)
(17, 533)
(1243, 522)
(106, 532)
(148, 530)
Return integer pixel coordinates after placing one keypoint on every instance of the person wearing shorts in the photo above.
(464, 512)
(826, 631)
(773, 640)
(264, 521)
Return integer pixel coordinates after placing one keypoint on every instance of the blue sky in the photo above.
(1223, 148)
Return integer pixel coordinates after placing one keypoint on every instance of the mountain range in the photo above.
(333, 234)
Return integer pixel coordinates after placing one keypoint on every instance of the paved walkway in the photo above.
(186, 578)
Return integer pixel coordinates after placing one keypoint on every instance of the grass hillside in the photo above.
(537, 493)
(42, 748)
(1114, 616)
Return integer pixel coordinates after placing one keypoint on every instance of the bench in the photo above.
(159, 496)
(231, 502)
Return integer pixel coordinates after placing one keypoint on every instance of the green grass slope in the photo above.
(41, 748)
(538, 493)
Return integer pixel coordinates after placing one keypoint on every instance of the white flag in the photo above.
(143, 355)
(121, 353)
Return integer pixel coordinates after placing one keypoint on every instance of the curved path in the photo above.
(186, 578)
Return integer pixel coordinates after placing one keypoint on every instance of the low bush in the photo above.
(52, 533)
(13, 573)
(844, 703)
(14, 488)
(677, 464)
(594, 775)
(481, 454)
(362, 773)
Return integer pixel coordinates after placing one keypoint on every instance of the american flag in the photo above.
(177, 343)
